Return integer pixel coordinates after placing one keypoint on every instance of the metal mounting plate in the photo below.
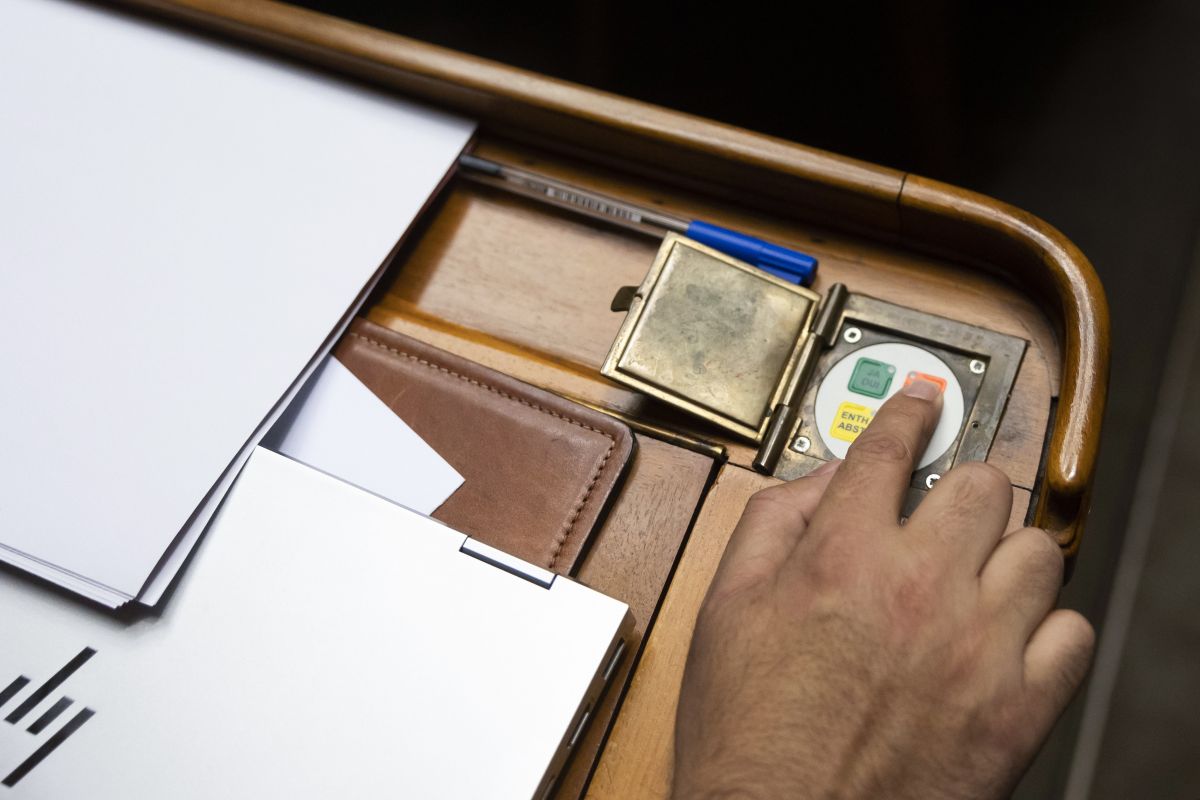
(985, 388)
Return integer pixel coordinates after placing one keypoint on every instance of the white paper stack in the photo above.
(185, 229)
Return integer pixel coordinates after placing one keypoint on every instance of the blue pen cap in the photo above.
(782, 274)
(767, 256)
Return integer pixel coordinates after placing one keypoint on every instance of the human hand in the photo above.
(839, 653)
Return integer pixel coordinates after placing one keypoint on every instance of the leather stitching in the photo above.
(569, 525)
(566, 532)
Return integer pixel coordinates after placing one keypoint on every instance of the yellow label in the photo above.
(850, 420)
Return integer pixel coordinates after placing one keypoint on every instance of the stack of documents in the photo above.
(185, 230)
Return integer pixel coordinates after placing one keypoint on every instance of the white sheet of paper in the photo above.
(338, 426)
(177, 554)
(182, 226)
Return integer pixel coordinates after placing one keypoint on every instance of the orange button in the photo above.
(921, 376)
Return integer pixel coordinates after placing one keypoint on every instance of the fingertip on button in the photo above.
(922, 389)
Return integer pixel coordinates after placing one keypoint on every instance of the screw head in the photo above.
(977, 366)
(931, 479)
(801, 444)
(852, 335)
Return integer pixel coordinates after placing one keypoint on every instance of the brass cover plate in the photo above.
(720, 343)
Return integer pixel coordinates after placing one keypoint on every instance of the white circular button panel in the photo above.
(855, 387)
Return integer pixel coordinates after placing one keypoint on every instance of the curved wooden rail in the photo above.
(1045, 260)
(813, 185)
(507, 97)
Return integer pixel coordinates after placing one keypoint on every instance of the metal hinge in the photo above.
(510, 564)
(784, 417)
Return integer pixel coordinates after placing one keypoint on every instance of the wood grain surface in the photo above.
(630, 559)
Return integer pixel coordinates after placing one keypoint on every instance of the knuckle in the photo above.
(741, 581)
(964, 657)
(1081, 639)
(881, 446)
(1077, 641)
(771, 494)
(832, 562)
(974, 484)
(909, 417)
(1003, 727)
(913, 599)
(1042, 555)
(773, 499)
(988, 480)
(787, 497)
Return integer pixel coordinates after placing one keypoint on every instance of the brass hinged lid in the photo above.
(749, 352)
(714, 336)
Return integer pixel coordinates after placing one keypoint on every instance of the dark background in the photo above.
(934, 88)
(1086, 114)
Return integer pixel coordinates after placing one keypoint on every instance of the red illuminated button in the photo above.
(921, 376)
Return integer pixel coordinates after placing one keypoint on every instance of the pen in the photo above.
(782, 262)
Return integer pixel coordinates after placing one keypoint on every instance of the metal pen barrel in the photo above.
(569, 197)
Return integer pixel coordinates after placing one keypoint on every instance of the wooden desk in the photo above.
(487, 279)
(526, 291)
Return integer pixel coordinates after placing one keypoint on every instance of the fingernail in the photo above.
(922, 390)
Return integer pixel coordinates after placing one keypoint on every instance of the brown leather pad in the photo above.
(539, 470)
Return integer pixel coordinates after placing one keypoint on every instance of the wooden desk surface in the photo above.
(525, 290)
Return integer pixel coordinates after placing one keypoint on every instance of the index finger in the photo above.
(872, 482)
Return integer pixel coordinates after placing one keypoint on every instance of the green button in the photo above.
(872, 378)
